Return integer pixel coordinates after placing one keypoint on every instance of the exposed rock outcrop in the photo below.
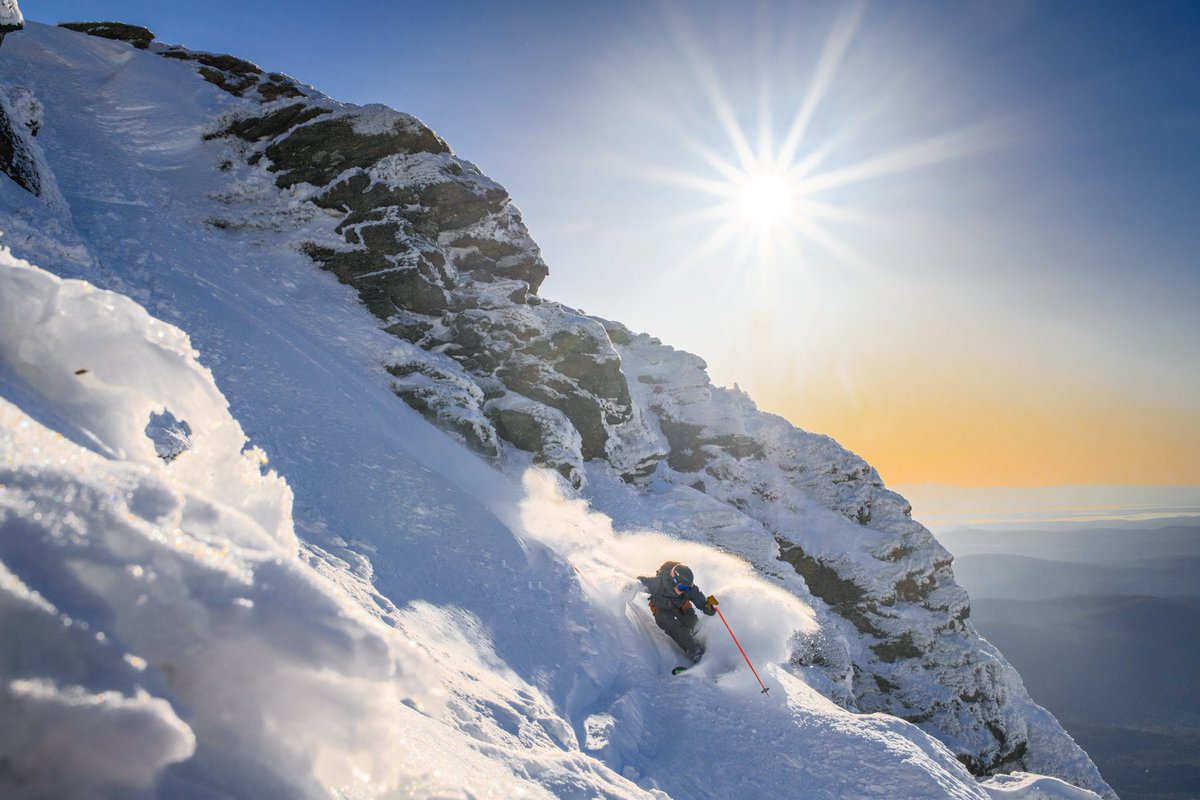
(20, 121)
(135, 35)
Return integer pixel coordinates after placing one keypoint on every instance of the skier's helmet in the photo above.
(681, 576)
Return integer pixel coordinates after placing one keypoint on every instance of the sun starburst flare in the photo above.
(768, 191)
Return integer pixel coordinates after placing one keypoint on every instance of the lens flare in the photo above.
(770, 171)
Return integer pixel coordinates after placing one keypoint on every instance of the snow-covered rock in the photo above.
(11, 18)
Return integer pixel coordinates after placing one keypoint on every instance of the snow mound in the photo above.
(162, 611)
(102, 362)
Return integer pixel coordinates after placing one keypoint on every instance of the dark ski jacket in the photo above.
(664, 599)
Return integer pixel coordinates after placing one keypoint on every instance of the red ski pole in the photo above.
(765, 690)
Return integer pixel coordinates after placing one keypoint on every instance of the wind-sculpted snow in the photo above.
(406, 615)
(152, 601)
(109, 379)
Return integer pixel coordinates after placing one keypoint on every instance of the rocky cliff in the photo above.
(438, 252)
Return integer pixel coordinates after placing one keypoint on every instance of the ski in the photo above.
(678, 670)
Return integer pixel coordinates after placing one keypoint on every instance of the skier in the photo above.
(673, 601)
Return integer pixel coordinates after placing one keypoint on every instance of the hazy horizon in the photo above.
(944, 508)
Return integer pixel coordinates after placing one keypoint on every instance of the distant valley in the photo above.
(1104, 626)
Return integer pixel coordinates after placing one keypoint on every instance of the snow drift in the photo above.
(144, 591)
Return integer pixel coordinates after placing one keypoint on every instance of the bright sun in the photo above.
(768, 189)
(763, 199)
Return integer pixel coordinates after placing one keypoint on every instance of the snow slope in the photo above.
(380, 613)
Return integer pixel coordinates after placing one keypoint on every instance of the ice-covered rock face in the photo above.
(438, 252)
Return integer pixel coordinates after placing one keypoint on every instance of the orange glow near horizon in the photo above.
(984, 432)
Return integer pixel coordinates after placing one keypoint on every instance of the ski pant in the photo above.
(681, 627)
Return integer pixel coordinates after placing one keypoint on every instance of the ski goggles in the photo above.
(683, 587)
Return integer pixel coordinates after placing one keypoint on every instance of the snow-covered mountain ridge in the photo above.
(206, 189)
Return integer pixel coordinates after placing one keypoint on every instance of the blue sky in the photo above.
(996, 281)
